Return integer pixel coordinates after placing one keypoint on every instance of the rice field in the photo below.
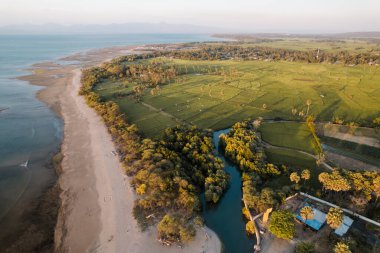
(289, 135)
(217, 94)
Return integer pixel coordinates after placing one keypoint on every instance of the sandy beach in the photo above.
(97, 199)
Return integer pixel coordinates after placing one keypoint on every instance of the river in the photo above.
(226, 218)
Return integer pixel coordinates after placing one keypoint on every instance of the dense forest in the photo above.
(242, 146)
(225, 52)
(228, 51)
(169, 174)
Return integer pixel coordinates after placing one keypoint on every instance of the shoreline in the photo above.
(96, 197)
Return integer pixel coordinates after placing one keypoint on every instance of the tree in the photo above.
(341, 247)
(171, 228)
(337, 120)
(307, 213)
(308, 103)
(250, 227)
(334, 217)
(281, 224)
(376, 121)
(305, 174)
(305, 247)
(334, 181)
(141, 189)
(376, 186)
(294, 177)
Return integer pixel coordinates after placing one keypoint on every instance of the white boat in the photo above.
(25, 164)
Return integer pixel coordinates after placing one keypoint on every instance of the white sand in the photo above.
(97, 197)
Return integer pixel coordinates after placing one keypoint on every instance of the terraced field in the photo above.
(216, 94)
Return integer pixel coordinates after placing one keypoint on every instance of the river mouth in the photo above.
(225, 218)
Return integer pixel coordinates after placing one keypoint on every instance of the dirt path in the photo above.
(161, 111)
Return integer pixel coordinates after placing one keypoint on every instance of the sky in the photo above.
(289, 16)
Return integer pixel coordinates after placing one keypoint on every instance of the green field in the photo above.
(289, 135)
(290, 158)
(217, 94)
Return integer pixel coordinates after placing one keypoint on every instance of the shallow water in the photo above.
(226, 218)
(30, 133)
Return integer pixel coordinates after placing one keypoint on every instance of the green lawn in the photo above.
(249, 89)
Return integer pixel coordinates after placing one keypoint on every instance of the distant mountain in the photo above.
(108, 29)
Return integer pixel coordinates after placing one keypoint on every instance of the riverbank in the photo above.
(97, 199)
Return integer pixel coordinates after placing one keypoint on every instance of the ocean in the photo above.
(30, 132)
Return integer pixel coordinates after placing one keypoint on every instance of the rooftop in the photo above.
(318, 220)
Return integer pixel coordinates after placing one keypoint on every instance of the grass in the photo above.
(251, 89)
(288, 134)
(290, 158)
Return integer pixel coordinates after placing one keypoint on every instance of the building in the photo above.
(346, 224)
(318, 220)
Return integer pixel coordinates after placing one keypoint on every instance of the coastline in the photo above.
(96, 197)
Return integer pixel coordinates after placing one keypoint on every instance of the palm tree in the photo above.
(307, 213)
(341, 247)
(294, 177)
(308, 103)
(334, 217)
(305, 174)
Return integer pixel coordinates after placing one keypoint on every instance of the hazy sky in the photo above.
(239, 15)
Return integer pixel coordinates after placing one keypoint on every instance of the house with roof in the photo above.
(319, 219)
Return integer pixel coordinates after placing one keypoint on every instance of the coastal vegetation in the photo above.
(167, 174)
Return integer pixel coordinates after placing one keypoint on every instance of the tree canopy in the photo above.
(341, 247)
(307, 213)
(281, 224)
(334, 217)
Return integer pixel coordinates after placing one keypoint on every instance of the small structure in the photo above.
(318, 220)
(346, 224)
(266, 215)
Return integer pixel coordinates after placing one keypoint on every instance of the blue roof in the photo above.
(343, 228)
(318, 220)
